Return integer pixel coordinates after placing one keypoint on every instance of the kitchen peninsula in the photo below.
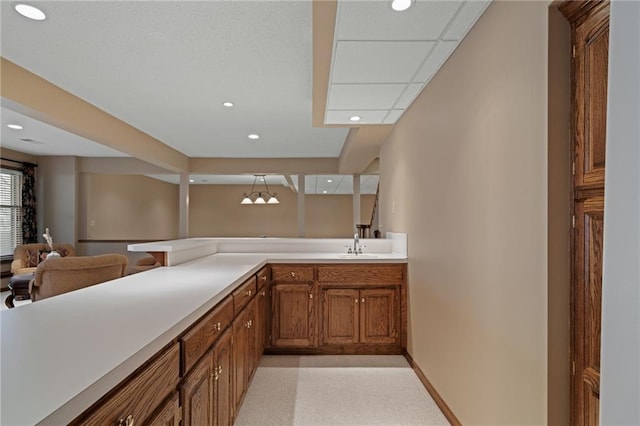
(70, 358)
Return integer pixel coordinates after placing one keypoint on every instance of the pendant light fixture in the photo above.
(259, 194)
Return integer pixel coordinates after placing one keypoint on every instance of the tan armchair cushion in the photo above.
(26, 257)
(61, 275)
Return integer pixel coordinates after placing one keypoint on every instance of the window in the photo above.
(10, 210)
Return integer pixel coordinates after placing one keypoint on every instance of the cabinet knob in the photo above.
(264, 293)
(219, 369)
(293, 274)
(362, 300)
(249, 293)
(310, 295)
(264, 278)
(127, 421)
(355, 300)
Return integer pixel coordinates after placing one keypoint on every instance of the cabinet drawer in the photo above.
(243, 294)
(202, 335)
(263, 277)
(292, 273)
(362, 274)
(141, 394)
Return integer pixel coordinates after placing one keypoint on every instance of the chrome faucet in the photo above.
(356, 242)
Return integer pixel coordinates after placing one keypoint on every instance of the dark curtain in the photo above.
(29, 224)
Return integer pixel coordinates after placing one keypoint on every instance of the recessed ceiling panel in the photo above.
(375, 20)
(436, 59)
(378, 61)
(366, 117)
(363, 96)
(465, 19)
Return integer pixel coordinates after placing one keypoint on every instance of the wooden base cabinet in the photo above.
(206, 391)
(352, 316)
(170, 414)
(293, 320)
(244, 362)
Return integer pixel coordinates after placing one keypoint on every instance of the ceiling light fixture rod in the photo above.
(259, 199)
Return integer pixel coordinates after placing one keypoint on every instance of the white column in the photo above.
(356, 202)
(183, 200)
(301, 211)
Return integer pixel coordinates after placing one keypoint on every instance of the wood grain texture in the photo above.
(340, 317)
(243, 294)
(141, 394)
(197, 340)
(448, 413)
(589, 22)
(294, 318)
(263, 277)
(197, 393)
(223, 380)
(170, 414)
(379, 310)
(361, 274)
(160, 257)
(292, 273)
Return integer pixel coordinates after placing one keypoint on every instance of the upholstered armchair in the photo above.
(26, 257)
(64, 274)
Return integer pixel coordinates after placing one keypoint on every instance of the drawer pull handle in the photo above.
(355, 300)
(249, 293)
(218, 326)
(127, 421)
(264, 278)
(310, 295)
(219, 369)
(293, 274)
(362, 300)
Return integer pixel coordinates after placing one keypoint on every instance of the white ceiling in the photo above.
(166, 67)
(383, 59)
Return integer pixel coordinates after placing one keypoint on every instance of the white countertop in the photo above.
(61, 354)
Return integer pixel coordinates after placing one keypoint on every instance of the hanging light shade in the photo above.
(258, 196)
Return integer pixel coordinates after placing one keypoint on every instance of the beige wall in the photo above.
(215, 210)
(473, 146)
(128, 207)
(559, 218)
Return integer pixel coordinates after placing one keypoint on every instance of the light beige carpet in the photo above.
(329, 390)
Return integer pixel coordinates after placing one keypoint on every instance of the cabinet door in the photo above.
(240, 333)
(262, 319)
(169, 415)
(222, 399)
(251, 337)
(293, 316)
(340, 316)
(197, 393)
(379, 315)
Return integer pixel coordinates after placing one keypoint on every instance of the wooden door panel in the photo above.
(588, 305)
(239, 358)
(591, 70)
(169, 415)
(293, 315)
(378, 316)
(224, 378)
(197, 395)
(341, 316)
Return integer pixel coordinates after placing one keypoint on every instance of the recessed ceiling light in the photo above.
(30, 12)
(15, 126)
(228, 104)
(355, 118)
(253, 136)
(400, 5)
(191, 180)
(329, 180)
